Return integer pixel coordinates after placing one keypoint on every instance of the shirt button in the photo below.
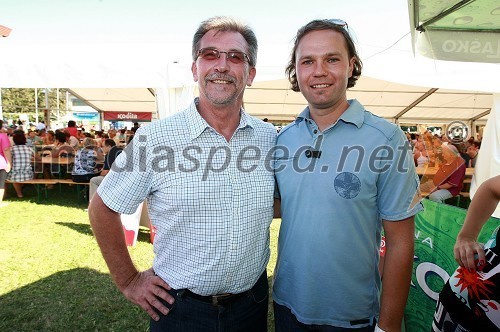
(315, 131)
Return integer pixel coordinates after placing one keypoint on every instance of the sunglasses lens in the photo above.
(235, 57)
(209, 54)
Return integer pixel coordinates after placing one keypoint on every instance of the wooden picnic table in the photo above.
(431, 171)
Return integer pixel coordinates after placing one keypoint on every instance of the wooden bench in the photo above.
(39, 184)
(79, 186)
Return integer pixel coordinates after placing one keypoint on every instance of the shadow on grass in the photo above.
(80, 228)
(74, 300)
(142, 236)
(60, 196)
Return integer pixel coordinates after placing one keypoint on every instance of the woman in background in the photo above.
(49, 138)
(22, 156)
(85, 166)
(5, 160)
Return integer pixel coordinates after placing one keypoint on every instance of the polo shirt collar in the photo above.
(353, 114)
(197, 125)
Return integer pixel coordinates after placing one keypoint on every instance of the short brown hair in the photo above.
(19, 138)
(317, 25)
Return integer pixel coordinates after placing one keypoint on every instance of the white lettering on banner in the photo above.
(489, 252)
(421, 273)
(427, 240)
(127, 116)
(489, 49)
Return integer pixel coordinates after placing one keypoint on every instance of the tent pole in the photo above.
(58, 104)
(36, 105)
(46, 112)
(67, 104)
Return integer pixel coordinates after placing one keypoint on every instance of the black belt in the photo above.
(220, 299)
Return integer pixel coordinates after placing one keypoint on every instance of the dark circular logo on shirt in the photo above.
(347, 185)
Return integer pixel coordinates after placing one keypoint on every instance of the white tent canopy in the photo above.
(274, 100)
(145, 74)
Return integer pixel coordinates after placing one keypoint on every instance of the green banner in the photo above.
(436, 229)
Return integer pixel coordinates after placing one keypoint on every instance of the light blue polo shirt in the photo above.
(332, 209)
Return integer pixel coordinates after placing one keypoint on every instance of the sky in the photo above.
(275, 22)
(165, 28)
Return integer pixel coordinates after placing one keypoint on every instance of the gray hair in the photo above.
(226, 24)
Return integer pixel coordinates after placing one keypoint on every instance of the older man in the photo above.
(210, 197)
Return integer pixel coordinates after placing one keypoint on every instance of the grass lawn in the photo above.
(53, 277)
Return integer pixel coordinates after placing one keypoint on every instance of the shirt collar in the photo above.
(197, 125)
(353, 114)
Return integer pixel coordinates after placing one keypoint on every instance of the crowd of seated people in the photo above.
(449, 161)
(83, 152)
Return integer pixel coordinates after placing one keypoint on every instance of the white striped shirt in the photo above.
(212, 222)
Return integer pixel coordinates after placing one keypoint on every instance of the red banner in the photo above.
(127, 116)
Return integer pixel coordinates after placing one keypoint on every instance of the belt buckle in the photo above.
(221, 297)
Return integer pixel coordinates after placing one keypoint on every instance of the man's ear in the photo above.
(251, 76)
(194, 70)
(351, 66)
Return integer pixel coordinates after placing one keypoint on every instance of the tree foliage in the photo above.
(17, 101)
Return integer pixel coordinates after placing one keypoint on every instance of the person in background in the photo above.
(335, 198)
(60, 149)
(472, 152)
(462, 150)
(111, 152)
(135, 127)
(5, 161)
(85, 166)
(61, 146)
(212, 227)
(49, 138)
(99, 139)
(73, 141)
(420, 155)
(22, 156)
(41, 126)
(122, 136)
(36, 137)
(10, 133)
(31, 140)
(114, 137)
(449, 178)
(470, 299)
(72, 129)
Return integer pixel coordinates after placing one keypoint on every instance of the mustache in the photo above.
(217, 76)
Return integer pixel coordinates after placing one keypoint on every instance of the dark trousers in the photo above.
(245, 314)
(285, 321)
(83, 178)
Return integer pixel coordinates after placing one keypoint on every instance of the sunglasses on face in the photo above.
(211, 54)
